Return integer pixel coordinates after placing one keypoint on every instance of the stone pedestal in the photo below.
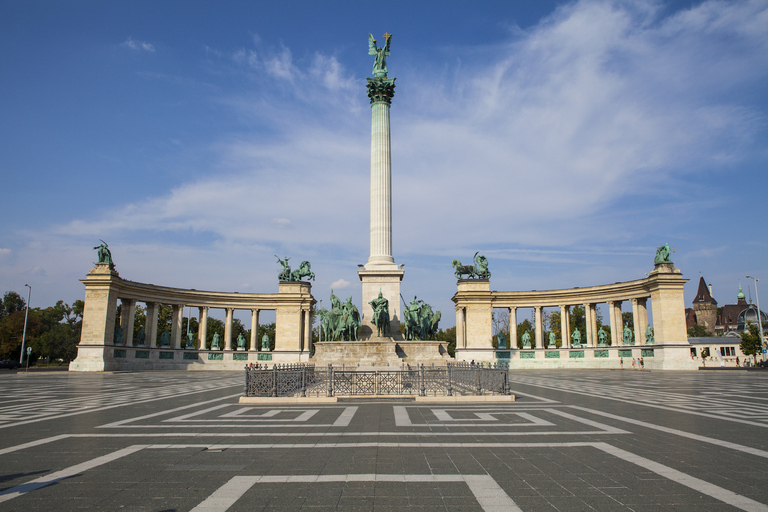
(474, 317)
(380, 352)
(387, 280)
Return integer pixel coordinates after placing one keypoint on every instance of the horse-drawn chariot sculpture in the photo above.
(479, 270)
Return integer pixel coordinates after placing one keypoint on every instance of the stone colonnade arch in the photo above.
(97, 350)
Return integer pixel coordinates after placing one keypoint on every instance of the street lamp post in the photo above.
(759, 317)
(24, 334)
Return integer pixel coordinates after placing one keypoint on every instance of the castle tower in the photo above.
(705, 307)
(381, 273)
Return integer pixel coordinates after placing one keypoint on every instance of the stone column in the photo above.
(612, 305)
(636, 322)
(668, 303)
(228, 329)
(642, 311)
(513, 327)
(307, 333)
(202, 330)
(567, 340)
(127, 320)
(564, 326)
(151, 328)
(254, 330)
(587, 326)
(593, 323)
(461, 341)
(176, 321)
(539, 328)
(381, 91)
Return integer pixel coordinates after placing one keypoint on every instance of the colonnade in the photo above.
(590, 337)
(474, 303)
(104, 288)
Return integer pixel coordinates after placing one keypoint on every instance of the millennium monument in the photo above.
(381, 275)
(119, 333)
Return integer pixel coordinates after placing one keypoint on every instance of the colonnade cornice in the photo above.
(149, 293)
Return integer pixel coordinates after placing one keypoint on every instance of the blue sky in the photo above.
(563, 140)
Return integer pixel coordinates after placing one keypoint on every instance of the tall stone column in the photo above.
(539, 328)
(513, 327)
(153, 308)
(254, 329)
(593, 323)
(612, 313)
(635, 322)
(381, 273)
(176, 321)
(642, 310)
(564, 326)
(587, 325)
(202, 330)
(228, 329)
(127, 320)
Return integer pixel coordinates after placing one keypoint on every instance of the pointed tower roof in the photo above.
(702, 295)
(740, 297)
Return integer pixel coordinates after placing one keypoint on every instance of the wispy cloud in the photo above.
(138, 45)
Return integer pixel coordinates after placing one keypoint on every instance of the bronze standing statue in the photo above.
(380, 63)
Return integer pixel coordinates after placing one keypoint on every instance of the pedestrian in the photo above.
(737, 362)
(634, 364)
(472, 363)
(621, 362)
(642, 364)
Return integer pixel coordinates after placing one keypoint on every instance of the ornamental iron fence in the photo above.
(306, 380)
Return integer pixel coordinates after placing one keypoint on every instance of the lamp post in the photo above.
(759, 317)
(24, 334)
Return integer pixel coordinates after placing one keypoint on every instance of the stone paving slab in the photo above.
(579, 440)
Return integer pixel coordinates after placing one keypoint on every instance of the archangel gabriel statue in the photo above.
(380, 64)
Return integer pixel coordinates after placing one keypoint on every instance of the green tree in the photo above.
(628, 320)
(11, 303)
(750, 341)
(699, 331)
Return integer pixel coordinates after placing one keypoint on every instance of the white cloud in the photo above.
(340, 284)
(138, 45)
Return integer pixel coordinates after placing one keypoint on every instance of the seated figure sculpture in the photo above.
(526, 339)
(576, 338)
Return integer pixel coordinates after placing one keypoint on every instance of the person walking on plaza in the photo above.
(621, 362)
(642, 363)
(634, 364)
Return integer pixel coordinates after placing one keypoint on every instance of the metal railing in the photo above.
(307, 381)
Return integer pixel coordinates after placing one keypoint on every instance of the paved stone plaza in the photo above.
(573, 440)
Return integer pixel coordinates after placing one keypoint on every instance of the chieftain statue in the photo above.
(420, 322)
(478, 270)
(380, 307)
(576, 338)
(526, 339)
(341, 322)
(627, 335)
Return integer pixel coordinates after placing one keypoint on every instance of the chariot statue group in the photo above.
(341, 322)
(420, 321)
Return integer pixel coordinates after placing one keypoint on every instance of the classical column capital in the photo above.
(381, 90)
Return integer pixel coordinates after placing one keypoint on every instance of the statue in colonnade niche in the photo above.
(663, 255)
(141, 336)
(165, 339)
(502, 341)
(380, 63)
(104, 254)
(602, 338)
(576, 338)
(526, 339)
(190, 340)
(552, 340)
(265, 343)
(627, 335)
(380, 306)
(240, 342)
(478, 270)
(118, 335)
(215, 345)
(650, 339)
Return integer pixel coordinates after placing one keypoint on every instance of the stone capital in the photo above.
(381, 90)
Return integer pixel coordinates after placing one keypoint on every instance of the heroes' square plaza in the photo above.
(549, 425)
(572, 440)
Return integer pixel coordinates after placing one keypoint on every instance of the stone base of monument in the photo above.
(380, 352)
